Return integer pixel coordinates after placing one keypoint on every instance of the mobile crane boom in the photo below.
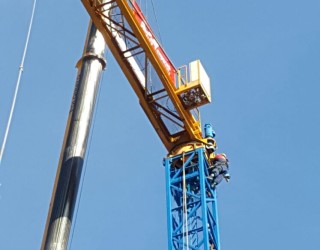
(64, 195)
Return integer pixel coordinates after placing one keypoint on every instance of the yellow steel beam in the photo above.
(192, 126)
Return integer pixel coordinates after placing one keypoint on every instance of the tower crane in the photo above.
(170, 97)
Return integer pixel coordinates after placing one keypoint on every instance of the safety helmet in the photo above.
(224, 155)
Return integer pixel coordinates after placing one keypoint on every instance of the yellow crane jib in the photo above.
(169, 97)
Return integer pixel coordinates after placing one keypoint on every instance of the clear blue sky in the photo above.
(263, 58)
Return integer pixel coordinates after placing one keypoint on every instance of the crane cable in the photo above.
(155, 17)
(18, 83)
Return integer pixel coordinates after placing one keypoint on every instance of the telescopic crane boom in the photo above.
(64, 195)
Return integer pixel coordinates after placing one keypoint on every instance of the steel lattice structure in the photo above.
(192, 215)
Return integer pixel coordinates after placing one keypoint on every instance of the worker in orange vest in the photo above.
(218, 170)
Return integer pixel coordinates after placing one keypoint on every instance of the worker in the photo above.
(219, 170)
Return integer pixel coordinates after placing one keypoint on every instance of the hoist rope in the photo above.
(154, 13)
(18, 83)
(155, 16)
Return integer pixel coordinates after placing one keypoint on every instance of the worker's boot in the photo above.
(227, 177)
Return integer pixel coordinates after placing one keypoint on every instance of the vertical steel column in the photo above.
(167, 164)
(201, 225)
(215, 220)
(203, 194)
(73, 151)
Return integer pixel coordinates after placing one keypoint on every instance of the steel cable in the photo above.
(18, 83)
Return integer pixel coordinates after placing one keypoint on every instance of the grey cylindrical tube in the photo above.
(73, 151)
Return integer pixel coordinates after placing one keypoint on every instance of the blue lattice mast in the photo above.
(191, 202)
(192, 216)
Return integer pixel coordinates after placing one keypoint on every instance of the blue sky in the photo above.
(263, 58)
